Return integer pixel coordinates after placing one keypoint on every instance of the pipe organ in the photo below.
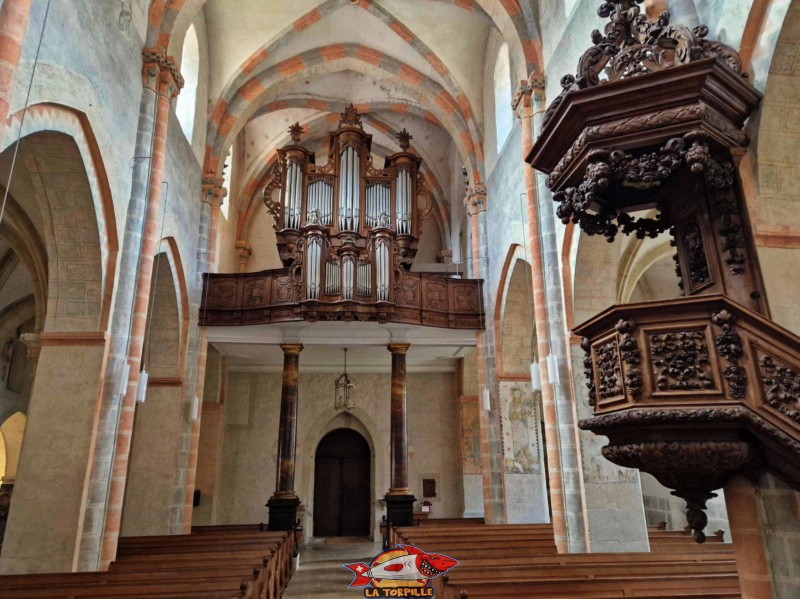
(347, 226)
(347, 233)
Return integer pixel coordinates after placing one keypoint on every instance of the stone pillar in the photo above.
(159, 74)
(525, 114)
(399, 500)
(491, 434)
(749, 545)
(213, 196)
(45, 519)
(157, 68)
(283, 503)
(13, 24)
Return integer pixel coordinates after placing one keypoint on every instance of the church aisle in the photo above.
(321, 573)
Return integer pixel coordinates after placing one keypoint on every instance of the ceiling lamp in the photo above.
(343, 385)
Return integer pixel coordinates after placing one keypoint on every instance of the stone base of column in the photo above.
(282, 512)
(400, 509)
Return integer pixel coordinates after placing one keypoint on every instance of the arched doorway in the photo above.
(342, 485)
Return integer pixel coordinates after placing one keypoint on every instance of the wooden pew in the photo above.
(223, 563)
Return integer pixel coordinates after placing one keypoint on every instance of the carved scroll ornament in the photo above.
(631, 45)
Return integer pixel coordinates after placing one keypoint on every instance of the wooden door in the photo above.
(342, 485)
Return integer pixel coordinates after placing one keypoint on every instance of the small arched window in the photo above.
(503, 113)
(190, 66)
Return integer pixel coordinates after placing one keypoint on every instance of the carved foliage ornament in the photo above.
(781, 386)
(680, 361)
(630, 356)
(585, 206)
(729, 347)
(631, 45)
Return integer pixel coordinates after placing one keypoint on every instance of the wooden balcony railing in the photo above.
(693, 391)
(272, 296)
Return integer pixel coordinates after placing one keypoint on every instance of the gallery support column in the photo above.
(399, 500)
(283, 503)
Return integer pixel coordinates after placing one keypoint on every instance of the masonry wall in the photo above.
(250, 440)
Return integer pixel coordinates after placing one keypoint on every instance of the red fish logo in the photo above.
(405, 565)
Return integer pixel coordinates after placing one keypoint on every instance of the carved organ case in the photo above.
(346, 228)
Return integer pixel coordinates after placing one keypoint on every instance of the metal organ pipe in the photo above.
(294, 194)
(349, 186)
(404, 190)
(382, 270)
(313, 253)
(348, 277)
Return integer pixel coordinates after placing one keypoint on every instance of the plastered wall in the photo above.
(249, 445)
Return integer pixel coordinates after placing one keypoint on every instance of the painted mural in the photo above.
(521, 441)
(470, 435)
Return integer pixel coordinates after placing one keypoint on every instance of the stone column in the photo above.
(45, 519)
(13, 24)
(213, 196)
(494, 502)
(524, 108)
(159, 74)
(399, 500)
(283, 503)
(140, 221)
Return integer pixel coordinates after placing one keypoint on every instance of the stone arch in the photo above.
(13, 431)
(329, 420)
(228, 117)
(86, 246)
(777, 176)
(150, 496)
(514, 315)
(645, 259)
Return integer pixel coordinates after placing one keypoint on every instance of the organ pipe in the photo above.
(313, 254)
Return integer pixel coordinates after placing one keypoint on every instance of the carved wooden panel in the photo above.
(680, 360)
(282, 289)
(608, 372)
(466, 298)
(780, 385)
(408, 290)
(223, 293)
(434, 294)
(256, 292)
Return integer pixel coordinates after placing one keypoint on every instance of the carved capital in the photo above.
(244, 250)
(527, 89)
(213, 191)
(160, 72)
(475, 200)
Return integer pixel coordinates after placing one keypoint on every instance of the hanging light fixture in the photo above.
(343, 385)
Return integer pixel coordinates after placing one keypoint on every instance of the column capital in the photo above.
(292, 349)
(160, 72)
(398, 348)
(213, 191)
(533, 86)
(244, 250)
(475, 199)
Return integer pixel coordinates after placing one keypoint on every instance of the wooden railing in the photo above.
(275, 296)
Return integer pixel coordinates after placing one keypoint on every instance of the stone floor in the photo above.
(321, 573)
